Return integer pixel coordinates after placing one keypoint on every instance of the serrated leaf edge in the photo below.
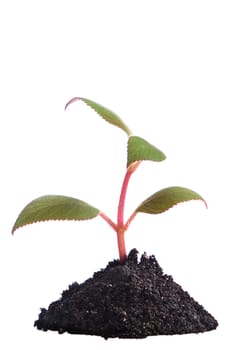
(49, 220)
(176, 205)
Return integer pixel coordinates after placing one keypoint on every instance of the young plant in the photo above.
(55, 207)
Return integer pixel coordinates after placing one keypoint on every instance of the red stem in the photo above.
(121, 228)
(130, 170)
(121, 245)
(121, 204)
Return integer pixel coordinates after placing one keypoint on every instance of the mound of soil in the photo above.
(133, 300)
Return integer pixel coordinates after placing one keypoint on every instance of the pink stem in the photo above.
(121, 245)
(131, 169)
(121, 204)
(121, 228)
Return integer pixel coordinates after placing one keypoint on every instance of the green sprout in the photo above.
(55, 207)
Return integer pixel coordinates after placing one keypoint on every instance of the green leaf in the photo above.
(104, 112)
(55, 208)
(167, 198)
(140, 149)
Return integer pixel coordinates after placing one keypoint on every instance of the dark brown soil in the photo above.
(133, 300)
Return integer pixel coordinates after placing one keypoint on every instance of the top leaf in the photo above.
(140, 149)
(104, 112)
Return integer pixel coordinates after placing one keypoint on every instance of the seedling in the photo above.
(55, 207)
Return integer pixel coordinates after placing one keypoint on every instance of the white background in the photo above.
(165, 68)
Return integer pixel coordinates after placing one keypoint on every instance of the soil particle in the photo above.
(133, 300)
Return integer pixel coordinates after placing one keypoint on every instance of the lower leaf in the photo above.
(53, 207)
(166, 199)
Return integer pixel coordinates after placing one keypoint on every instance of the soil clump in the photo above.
(131, 300)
